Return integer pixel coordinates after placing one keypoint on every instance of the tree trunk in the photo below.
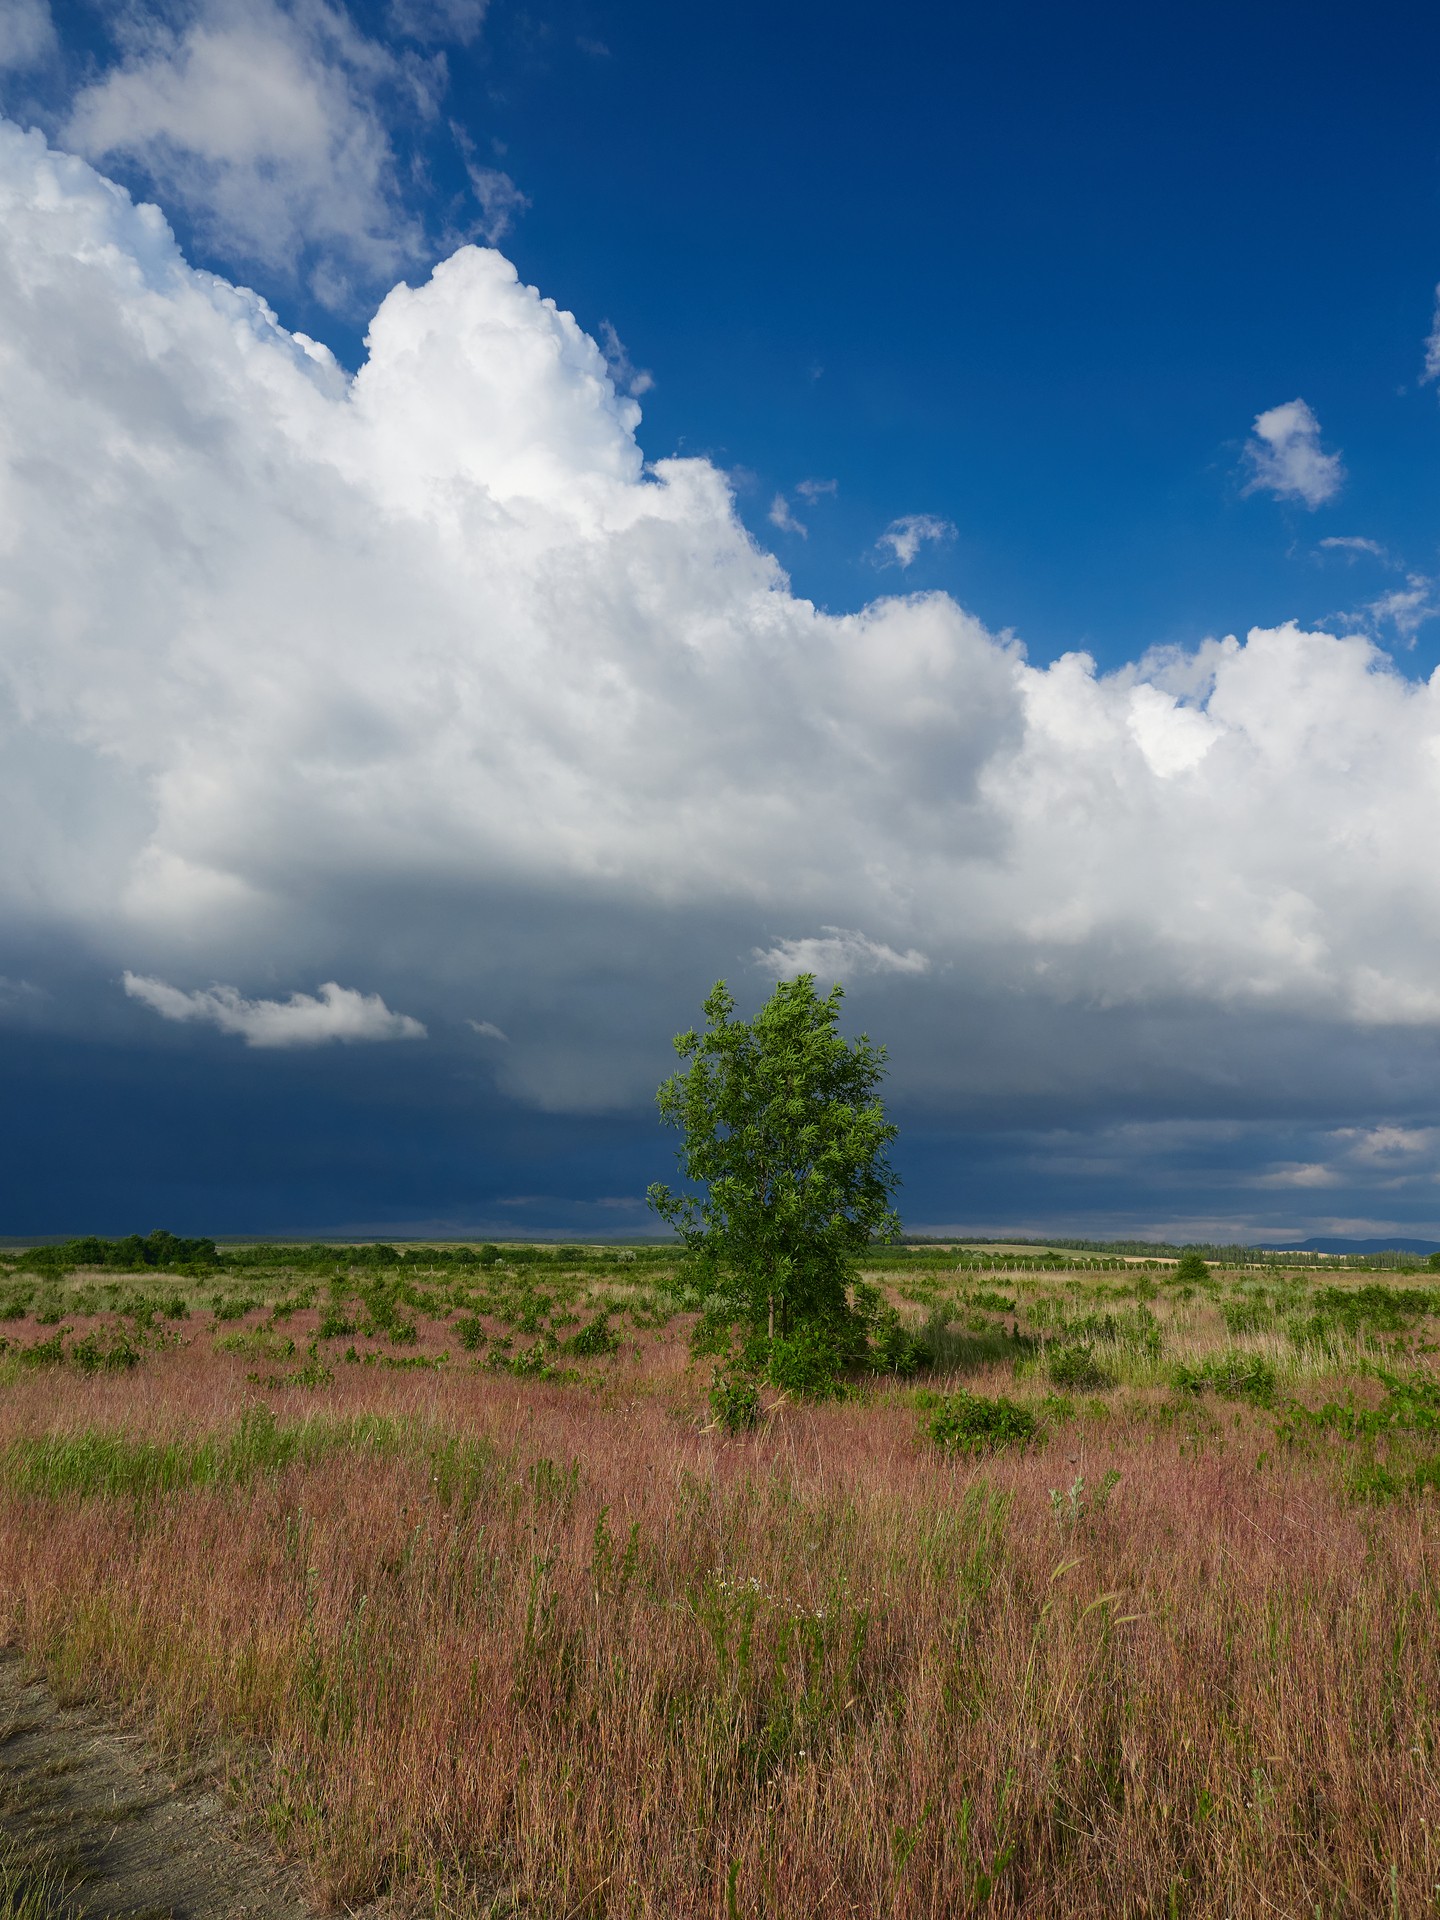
(772, 1316)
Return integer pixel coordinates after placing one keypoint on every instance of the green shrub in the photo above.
(1190, 1268)
(335, 1324)
(470, 1332)
(810, 1362)
(15, 1298)
(734, 1401)
(1246, 1316)
(596, 1340)
(970, 1423)
(1136, 1327)
(530, 1363)
(236, 1307)
(1378, 1482)
(1411, 1405)
(1370, 1309)
(533, 1307)
(1233, 1375)
(877, 1336)
(257, 1342)
(44, 1353)
(1075, 1366)
(92, 1355)
(894, 1349)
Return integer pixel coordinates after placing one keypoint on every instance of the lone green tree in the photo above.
(786, 1134)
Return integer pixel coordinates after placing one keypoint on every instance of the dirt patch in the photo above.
(92, 1824)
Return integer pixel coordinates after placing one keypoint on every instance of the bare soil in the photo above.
(93, 1824)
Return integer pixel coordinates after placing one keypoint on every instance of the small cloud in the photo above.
(1432, 345)
(813, 490)
(27, 33)
(1406, 608)
(596, 49)
(1387, 1144)
(500, 201)
(904, 537)
(21, 1000)
(339, 1013)
(1285, 457)
(627, 376)
(835, 954)
(1353, 544)
(487, 1030)
(1300, 1174)
(434, 20)
(780, 516)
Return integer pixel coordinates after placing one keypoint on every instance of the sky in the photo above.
(511, 512)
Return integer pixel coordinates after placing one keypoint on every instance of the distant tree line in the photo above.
(1223, 1254)
(134, 1254)
(172, 1253)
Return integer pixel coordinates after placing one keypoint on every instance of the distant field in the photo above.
(1125, 1605)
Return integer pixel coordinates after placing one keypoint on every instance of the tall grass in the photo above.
(472, 1634)
(29, 1891)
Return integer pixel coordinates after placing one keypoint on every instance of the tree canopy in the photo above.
(787, 1136)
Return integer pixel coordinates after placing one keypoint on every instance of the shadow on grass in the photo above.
(953, 1349)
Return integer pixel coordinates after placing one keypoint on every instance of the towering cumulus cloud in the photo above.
(425, 679)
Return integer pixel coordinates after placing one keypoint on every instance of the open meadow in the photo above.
(1122, 1603)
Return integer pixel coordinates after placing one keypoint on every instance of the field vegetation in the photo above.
(1116, 1598)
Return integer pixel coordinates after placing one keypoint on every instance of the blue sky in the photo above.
(1109, 330)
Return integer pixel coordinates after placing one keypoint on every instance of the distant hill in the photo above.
(1422, 1247)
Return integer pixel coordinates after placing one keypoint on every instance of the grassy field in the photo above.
(1124, 1606)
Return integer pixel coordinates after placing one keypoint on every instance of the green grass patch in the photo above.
(97, 1462)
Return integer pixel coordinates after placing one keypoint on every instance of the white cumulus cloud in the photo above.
(1285, 458)
(304, 1020)
(426, 675)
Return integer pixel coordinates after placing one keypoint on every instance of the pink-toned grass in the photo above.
(816, 1671)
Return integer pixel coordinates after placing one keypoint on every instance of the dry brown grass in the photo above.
(561, 1641)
